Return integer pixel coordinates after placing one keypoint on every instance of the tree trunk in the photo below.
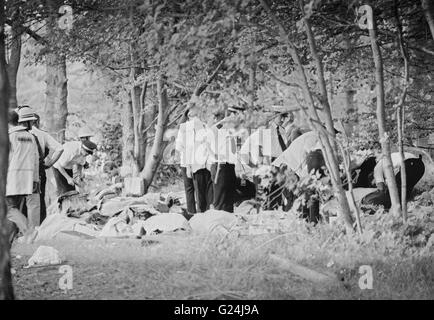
(6, 289)
(137, 105)
(381, 119)
(56, 103)
(400, 110)
(158, 146)
(14, 63)
(329, 147)
(428, 15)
(129, 163)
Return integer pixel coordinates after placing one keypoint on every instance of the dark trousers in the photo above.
(224, 179)
(189, 191)
(43, 177)
(244, 190)
(204, 186)
(414, 169)
(315, 163)
(276, 194)
(62, 185)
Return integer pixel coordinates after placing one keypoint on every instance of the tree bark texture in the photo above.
(6, 289)
(381, 119)
(159, 145)
(56, 103)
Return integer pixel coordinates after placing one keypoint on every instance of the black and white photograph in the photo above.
(216, 154)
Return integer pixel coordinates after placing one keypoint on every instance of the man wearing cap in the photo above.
(222, 149)
(72, 160)
(197, 159)
(48, 145)
(23, 171)
(85, 134)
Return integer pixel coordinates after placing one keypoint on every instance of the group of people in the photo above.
(32, 152)
(213, 166)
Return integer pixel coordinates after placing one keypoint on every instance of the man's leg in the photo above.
(14, 207)
(315, 162)
(415, 170)
(203, 182)
(189, 192)
(33, 209)
(224, 189)
(42, 196)
(62, 185)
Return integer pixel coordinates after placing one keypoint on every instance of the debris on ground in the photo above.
(44, 256)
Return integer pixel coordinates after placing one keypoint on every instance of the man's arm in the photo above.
(58, 150)
(379, 176)
(56, 155)
(66, 175)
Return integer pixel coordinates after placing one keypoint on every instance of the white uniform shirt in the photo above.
(46, 141)
(396, 164)
(196, 152)
(71, 156)
(23, 167)
(222, 144)
(265, 138)
(295, 156)
(180, 144)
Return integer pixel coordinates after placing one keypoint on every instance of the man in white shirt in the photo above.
(260, 147)
(50, 149)
(198, 158)
(303, 157)
(296, 156)
(188, 180)
(23, 174)
(73, 158)
(222, 148)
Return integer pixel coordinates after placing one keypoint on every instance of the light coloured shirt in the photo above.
(71, 156)
(295, 155)
(265, 138)
(396, 164)
(222, 144)
(23, 167)
(196, 151)
(180, 144)
(46, 141)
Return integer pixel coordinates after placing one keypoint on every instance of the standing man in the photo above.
(23, 173)
(180, 143)
(222, 148)
(71, 161)
(49, 146)
(198, 159)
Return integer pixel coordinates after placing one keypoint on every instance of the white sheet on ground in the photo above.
(213, 220)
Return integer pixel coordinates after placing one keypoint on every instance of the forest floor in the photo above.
(184, 265)
(190, 267)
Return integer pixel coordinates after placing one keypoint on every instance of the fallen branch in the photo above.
(302, 271)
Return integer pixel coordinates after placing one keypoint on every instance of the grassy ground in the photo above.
(186, 266)
(192, 267)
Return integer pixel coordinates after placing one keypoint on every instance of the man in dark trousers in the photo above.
(188, 181)
(50, 149)
(22, 176)
(198, 162)
(222, 147)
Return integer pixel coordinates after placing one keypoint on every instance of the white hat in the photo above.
(84, 132)
(26, 114)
